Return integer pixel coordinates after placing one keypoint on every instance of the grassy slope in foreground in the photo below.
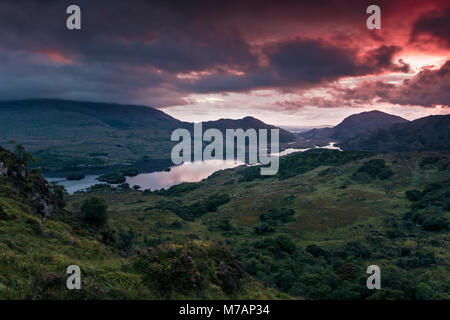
(34, 255)
(345, 217)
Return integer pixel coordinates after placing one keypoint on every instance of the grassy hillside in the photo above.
(38, 242)
(313, 230)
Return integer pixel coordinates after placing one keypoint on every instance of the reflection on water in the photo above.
(331, 145)
(186, 172)
(76, 185)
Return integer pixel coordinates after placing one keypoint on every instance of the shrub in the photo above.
(376, 168)
(196, 209)
(263, 228)
(35, 225)
(127, 240)
(225, 225)
(285, 243)
(317, 251)
(435, 223)
(413, 195)
(275, 216)
(356, 249)
(428, 162)
(93, 212)
(48, 286)
(108, 235)
(3, 215)
(188, 269)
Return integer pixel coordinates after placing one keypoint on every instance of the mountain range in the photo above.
(97, 136)
(72, 133)
(354, 125)
(430, 133)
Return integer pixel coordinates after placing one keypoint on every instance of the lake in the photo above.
(186, 172)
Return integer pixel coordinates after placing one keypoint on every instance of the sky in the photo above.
(291, 63)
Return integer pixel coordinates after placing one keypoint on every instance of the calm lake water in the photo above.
(186, 172)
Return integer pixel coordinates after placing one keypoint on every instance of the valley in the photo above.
(140, 228)
(341, 220)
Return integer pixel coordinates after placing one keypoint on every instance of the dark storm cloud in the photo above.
(315, 61)
(123, 52)
(141, 33)
(132, 51)
(435, 24)
(303, 63)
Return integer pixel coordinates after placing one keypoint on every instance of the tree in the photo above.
(19, 150)
(127, 240)
(93, 212)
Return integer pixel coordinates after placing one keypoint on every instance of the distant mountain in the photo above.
(299, 129)
(71, 133)
(67, 134)
(247, 123)
(354, 125)
(431, 133)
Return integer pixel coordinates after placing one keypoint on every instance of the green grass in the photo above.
(343, 220)
(35, 252)
(333, 204)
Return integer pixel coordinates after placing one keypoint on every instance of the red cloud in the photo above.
(429, 88)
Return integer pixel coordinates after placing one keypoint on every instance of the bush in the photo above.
(356, 249)
(376, 168)
(435, 224)
(189, 269)
(127, 240)
(263, 228)
(224, 225)
(285, 243)
(413, 195)
(317, 251)
(428, 162)
(48, 286)
(35, 225)
(93, 212)
(3, 215)
(195, 210)
(275, 216)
